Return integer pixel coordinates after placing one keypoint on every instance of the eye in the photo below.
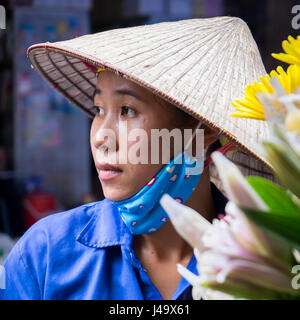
(98, 110)
(128, 111)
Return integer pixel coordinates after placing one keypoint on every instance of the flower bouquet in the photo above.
(253, 251)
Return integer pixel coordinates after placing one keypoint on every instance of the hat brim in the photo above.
(63, 69)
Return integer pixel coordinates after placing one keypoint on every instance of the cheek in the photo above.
(140, 174)
(93, 131)
(137, 176)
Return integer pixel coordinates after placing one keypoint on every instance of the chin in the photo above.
(123, 190)
(115, 195)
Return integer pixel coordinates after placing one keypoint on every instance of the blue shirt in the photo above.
(84, 253)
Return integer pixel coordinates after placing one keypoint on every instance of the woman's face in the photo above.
(119, 101)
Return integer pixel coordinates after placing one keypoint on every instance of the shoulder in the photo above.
(58, 228)
(52, 236)
(44, 247)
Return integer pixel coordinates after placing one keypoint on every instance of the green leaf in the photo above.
(275, 197)
(286, 164)
(277, 222)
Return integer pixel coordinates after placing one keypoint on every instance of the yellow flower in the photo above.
(100, 69)
(223, 141)
(292, 49)
(292, 121)
(250, 106)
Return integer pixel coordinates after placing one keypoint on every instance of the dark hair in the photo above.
(183, 119)
(213, 147)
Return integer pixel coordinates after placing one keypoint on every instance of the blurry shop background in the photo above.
(45, 159)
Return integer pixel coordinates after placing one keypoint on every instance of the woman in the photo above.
(104, 250)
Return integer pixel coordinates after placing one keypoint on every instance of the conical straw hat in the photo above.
(199, 65)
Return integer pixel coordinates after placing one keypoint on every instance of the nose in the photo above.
(106, 133)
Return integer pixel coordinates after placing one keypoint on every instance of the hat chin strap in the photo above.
(224, 149)
(228, 146)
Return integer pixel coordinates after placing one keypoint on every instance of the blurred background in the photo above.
(45, 160)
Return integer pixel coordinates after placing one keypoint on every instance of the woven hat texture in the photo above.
(199, 65)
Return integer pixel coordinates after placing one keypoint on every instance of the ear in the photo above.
(210, 136)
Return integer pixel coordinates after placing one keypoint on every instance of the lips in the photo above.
(107, 171)
(107, 166)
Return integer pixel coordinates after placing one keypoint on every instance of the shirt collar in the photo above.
(106, 228)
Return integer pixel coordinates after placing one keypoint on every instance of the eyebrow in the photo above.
(128, 92)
